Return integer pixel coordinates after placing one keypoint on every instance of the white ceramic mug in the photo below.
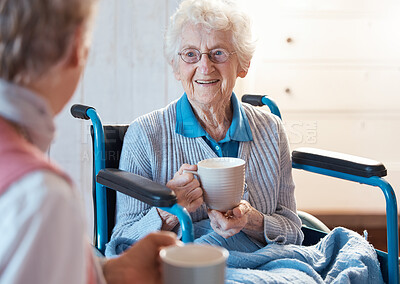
(194, 264)
(222, 180)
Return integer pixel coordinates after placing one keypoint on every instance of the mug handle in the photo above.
(192, 172)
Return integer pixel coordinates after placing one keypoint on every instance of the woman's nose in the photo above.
(205, 64)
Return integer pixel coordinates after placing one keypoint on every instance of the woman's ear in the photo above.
(79, 49)
(243, 73)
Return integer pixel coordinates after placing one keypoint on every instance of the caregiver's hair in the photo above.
(36, 34)
(221, 15)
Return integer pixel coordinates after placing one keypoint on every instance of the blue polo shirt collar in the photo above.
(188, 126)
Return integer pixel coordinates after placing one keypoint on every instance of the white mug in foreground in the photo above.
(222, 180)
(193, 264)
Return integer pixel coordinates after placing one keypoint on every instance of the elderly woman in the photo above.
(209, 45)
(43, 49)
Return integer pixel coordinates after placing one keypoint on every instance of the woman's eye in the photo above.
(190, 54)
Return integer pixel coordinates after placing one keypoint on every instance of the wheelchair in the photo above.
(107, 178)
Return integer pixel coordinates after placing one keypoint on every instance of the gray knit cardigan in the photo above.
(154, 150)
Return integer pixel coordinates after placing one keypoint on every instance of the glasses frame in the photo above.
(181, 53)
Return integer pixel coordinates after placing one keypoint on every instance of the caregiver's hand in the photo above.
(187, 188)
(140, 263)
(242, 217)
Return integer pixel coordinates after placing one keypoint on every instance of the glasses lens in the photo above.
(190, 55)
(219, 55)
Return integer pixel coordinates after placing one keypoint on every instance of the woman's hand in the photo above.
(231, 222)
(187, 188)
(140, 263)
(242, 217)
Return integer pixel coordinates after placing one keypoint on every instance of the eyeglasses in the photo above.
(193, 55)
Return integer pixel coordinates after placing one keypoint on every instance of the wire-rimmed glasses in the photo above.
(216, 55)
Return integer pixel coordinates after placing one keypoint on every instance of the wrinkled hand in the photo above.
(187, 188)
(231, 222)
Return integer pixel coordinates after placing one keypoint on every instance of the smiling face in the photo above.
(206, 83)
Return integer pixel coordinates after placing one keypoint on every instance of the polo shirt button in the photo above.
(216, 147)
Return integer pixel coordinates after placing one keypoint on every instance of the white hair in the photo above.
(220, 15)
(35, 34)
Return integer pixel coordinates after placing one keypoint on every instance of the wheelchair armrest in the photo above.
(338, 162)
(137, 187)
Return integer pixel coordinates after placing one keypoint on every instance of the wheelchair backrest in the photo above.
(114, 137)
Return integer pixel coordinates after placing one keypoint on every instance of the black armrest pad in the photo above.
(338, 162)
(137, 187)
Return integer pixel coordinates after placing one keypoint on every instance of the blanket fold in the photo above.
(343, 256)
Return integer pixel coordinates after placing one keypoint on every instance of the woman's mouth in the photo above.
(206, 82)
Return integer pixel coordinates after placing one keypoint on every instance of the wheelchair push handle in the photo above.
(80, 111)
(255, 100)
(260, 100)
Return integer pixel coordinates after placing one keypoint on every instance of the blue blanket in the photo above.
(343, 256)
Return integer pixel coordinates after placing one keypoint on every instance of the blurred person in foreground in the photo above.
(209, 45)
(44, 45)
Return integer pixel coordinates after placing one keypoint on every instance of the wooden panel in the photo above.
(336, 81)
(271, 8)
(320, 193)
(127, 58)
(321, 87)
(329, 39)
(365, 135)
(359, 134)
(174, 87)
(375, 225)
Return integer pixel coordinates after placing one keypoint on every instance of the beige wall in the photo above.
(343, 56)
(334, 69)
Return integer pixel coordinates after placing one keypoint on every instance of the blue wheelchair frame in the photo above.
(392, 257)
(99, 149)
(85, 112)
(389, 261)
